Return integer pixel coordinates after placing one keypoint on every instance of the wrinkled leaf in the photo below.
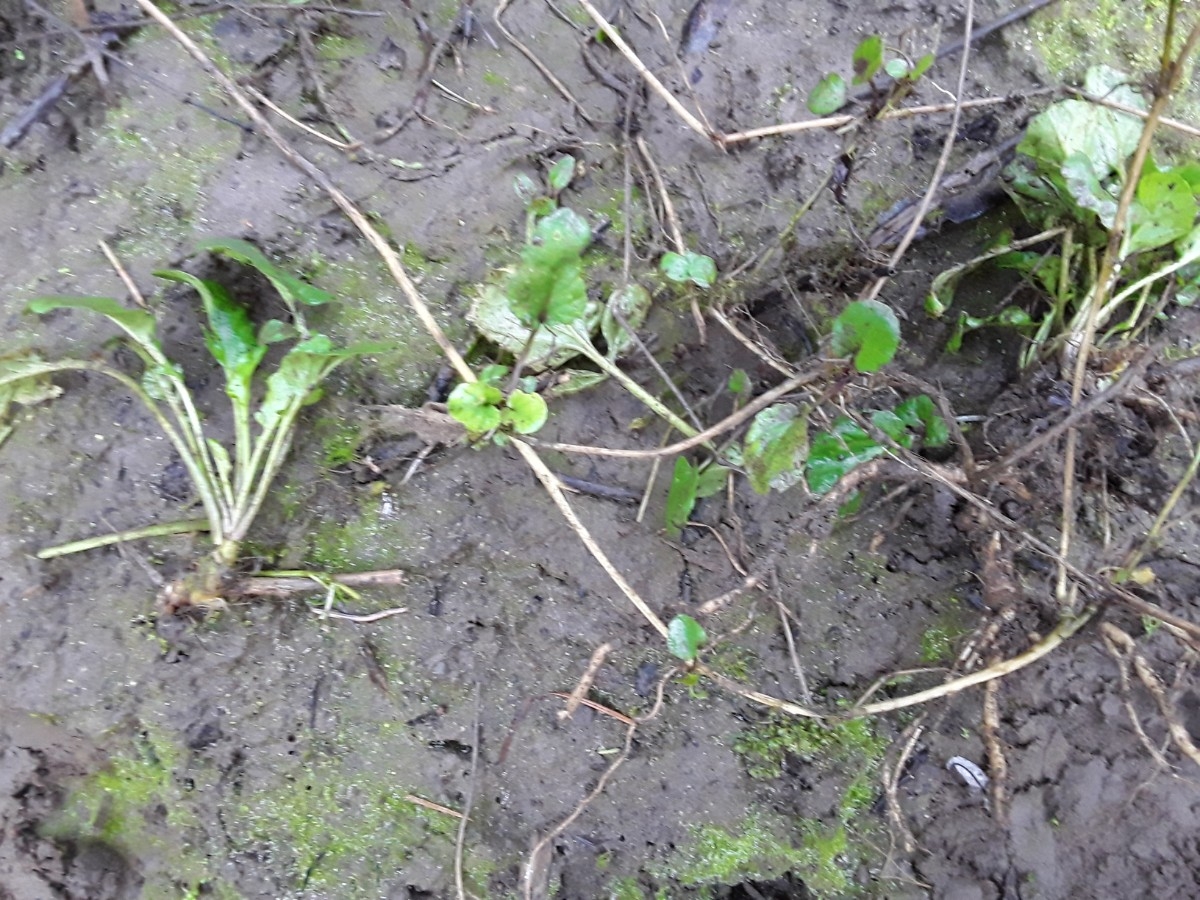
(230, 336)
(694, 267)
(493, 317)
(712, 481)
(476, 406)
(293, 290)
(300, 372)
(572, 381)
(775, 448)
(633, 303)
(525, 187)
(828, 95)
(685, 637)
(1163, 211)
(273, 331)
(681, 497)
(835, 452)
(869, 330)
(920, 412)
(526, 412)
(564, 232)
(739, 383)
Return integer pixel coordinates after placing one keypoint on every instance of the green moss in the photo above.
(764, 748)
(339, 441)
(754, 851)
(369, 541)
(939, 639)
(1075, 34)
(139, 806)
(494, 79)
(335, 47)
(336, 828)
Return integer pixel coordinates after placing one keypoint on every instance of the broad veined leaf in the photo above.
(870, 331)
(776, 447)
(564, 232)
(833, 453)
(696, 268)
(1164, 210)
(293, 290)
(230, 337)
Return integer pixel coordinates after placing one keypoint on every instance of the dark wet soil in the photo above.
(269, 753)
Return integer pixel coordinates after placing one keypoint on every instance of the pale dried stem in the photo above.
(651, 79)
(554, 488)
(377, 241)
(585, 682)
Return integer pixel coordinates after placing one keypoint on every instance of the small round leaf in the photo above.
(685, 637)
(828, 96)
(869, 330)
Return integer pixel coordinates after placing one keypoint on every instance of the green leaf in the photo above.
(685, 637)
(694, 267)
(526, 413)
(293, 290)
(681, 498)
(923, 65)
(739, 383)
(476, 406)
(828, 95)
(921, 412)
(564, 232)
(274, 330)
(835, 452)
(572, 381)
(137, 323)
(230, 337)
(1163, 212)
(896, 68)
(300, 372)
(869, 330)
(561, 174)
(868, 57)
(775, 448)
(633, 303)
(712, 481)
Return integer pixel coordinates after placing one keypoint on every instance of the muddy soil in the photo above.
(270, 753)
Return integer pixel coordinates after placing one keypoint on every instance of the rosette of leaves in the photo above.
(231, 482)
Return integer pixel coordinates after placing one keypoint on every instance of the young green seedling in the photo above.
(231, 486)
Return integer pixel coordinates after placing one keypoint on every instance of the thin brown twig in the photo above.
(576, 697)
(943, 160)
(997, 763)
(562, 89)
(728, 423)
(435, 807)
(1110, 268)
(288, 117)
(532, 866)
(551, 483)
(391, 259)
(650, 78)
(461, 837)
(123, 274)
